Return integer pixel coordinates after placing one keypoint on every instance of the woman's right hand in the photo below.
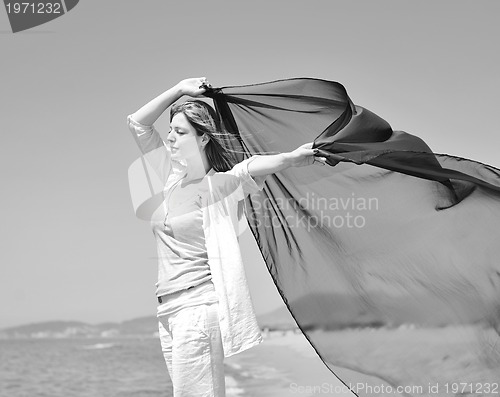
(194, 86)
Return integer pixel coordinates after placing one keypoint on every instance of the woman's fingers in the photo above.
(320, 160)
(204, 83)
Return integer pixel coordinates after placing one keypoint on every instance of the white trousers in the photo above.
(192, 346)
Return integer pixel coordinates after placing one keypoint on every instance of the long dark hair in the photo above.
(204, 119)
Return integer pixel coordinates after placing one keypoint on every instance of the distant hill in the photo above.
(143, 327)
(345, 312)
(277, 319)
(137, 327)
(380, 310)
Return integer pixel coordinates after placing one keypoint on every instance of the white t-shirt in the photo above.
(182, 253)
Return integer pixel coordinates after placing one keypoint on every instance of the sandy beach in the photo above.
(287, 366)
(426, 362)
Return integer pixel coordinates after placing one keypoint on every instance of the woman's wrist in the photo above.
(178, 91)
(288, 159)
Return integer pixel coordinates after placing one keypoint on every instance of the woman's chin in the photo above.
(179, 159)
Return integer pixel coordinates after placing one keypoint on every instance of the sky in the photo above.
(72, 248)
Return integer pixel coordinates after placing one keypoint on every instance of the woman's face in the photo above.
(184, 142)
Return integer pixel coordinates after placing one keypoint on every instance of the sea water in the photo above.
(125, 367)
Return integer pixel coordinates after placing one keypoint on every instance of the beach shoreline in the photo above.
(288, 366)
(414, 360)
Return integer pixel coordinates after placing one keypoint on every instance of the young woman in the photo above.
(205, 311)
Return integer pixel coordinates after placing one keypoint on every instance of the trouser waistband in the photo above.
(171, 295)
(166, 296)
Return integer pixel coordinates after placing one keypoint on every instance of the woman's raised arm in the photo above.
(152, 110)
(140, 123)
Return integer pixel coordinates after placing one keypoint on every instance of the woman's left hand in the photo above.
(305, 155)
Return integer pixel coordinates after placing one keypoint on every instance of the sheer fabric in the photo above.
(388, 257)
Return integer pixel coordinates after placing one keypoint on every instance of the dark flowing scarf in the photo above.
(388, 258)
